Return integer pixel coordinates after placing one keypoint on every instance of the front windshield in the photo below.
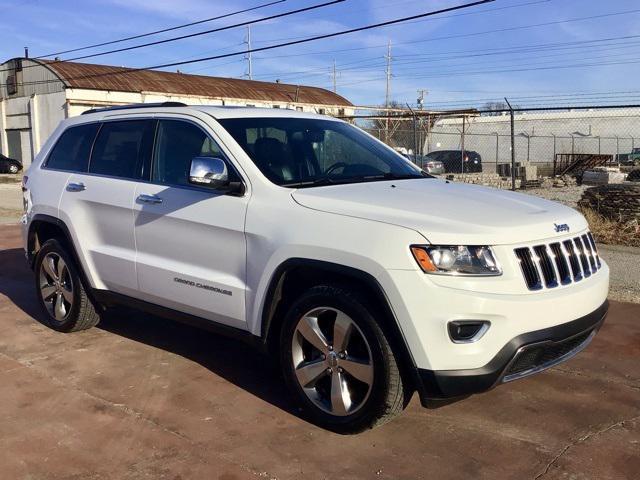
(302, 152)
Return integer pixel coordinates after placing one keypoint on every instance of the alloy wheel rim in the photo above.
(332, 361)
(56, 286)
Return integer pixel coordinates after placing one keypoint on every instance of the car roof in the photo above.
(218, 112)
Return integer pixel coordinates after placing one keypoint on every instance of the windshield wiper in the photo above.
(357, 179)
(395, 176)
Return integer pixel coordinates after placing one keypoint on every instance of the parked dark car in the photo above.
(453, 160)
(9, 165)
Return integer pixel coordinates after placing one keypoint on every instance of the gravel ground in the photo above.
(566, 195)
(624, 263)
(10, 199)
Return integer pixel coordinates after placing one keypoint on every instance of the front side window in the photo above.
(71, 151)
(122, 148)
(300, 152)
(177, 143)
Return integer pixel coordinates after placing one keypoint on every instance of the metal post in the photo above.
(464, 122)
(415, 134)
(554, 154)
(497, 149)
(387, 94)
(513, 147)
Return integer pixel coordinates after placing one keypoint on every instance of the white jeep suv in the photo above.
(365, 277)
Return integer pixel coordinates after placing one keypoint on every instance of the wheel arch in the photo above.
(45, 227)
(296, 275)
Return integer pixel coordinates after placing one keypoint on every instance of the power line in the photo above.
(485, 32)
(196, 34)
(444, 17)
(280, 45)
(177, 27)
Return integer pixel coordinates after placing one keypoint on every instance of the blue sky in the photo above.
(463, 59)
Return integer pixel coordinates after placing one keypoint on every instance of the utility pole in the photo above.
(334, 76)
(248, 57)
(387, 97)
(421, 94)
(388, 72)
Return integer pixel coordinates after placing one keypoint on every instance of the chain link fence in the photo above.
(554, 140)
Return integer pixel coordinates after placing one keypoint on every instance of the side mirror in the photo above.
(209, 172)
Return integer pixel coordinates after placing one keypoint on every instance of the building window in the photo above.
(299, 109)
(12, 87)
(321, 111)
(276, 106)
(341, 112)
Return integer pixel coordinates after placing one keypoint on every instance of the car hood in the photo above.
(447, 212)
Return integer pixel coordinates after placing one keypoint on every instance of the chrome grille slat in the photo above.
(529, 269)
(586, 270)
(595, 249)
(545, 266)
(573, 260)
(559, 263)
(592, 261)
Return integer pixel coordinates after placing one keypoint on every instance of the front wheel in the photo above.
(338, 363)
(13, 168)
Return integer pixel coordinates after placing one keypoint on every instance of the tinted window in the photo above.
(122, 148)
(303, 152)
(177, 143)
(73, 148)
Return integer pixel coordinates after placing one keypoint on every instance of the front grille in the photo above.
(558, 263)
(540, 356)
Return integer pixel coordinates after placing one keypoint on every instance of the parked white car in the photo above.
(367, 278)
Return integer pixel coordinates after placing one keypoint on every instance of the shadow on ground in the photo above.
(230, 359)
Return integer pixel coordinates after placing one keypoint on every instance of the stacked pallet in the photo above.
(619, 202)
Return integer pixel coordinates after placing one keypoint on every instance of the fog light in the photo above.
(467, 331)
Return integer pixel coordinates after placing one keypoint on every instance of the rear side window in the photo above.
(73, 148)
(122, 148)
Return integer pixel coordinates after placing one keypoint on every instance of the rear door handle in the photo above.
(75, 187)
(149, 199)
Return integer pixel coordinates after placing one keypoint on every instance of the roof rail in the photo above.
(135, 105)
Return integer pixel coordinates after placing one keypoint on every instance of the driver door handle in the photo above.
(149, 199)
(75, 187)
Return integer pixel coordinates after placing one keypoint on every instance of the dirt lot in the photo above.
(141, 397)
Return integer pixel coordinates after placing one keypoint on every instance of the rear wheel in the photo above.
(338, 363)
(60, 291)
(13, 168)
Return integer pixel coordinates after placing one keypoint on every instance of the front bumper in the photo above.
(524, 355)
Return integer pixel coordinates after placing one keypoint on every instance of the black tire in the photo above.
(388, 395)
(82, 314)
(13, 168)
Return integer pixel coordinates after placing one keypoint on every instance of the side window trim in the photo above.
(225, 157)
(93, 144)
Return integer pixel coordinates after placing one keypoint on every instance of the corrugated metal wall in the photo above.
(27, 73)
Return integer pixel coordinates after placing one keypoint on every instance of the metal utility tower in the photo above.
(248, 57)
(334, 76)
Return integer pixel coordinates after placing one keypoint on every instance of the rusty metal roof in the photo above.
(105, 77)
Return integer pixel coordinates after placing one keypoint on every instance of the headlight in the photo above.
(456, 260)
